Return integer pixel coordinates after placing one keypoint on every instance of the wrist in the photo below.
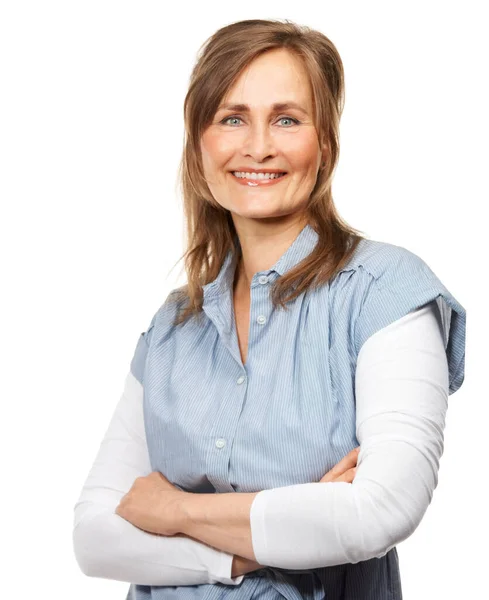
(236, 566)
(186, 504)
(242, 566)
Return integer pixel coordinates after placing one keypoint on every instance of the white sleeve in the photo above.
(108, 546)
(401, 388)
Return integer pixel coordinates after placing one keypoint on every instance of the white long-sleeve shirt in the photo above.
(401, 390)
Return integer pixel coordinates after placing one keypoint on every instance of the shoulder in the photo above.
(375, 266)
(386, 263)
(162, 322)
(160, 327)
(382, 283)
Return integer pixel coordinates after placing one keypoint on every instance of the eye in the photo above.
(295, 121)
(223, 122)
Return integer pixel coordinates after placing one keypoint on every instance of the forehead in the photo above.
(275, 76)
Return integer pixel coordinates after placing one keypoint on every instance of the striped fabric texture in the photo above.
(214, 425)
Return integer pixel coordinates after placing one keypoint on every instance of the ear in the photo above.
(325, 152)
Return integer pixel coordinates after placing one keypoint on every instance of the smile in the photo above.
(257, 182)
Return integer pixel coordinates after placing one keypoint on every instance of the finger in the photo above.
(349, 461)
(347, 477)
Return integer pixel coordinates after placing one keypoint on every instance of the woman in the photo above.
(295, 341)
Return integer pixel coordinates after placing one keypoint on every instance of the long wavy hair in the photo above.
(210, 231)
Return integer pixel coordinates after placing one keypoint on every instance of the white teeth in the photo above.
(243, 175)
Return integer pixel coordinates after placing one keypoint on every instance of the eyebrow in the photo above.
(278, 106)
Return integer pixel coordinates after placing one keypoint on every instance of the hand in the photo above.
(344, 470)
(153, 504)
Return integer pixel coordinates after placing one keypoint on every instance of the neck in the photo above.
(260, 251)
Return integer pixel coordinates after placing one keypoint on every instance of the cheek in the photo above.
(217, 148)
(302, 153)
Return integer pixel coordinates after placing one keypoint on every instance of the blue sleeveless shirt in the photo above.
(214, 425)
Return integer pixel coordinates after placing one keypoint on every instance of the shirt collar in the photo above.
(301, 247)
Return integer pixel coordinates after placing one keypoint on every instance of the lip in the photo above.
(259, 183)
(248, 170)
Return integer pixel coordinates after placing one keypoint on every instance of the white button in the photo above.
(240, 379)
(263, 279)
(220, 443)
(261, 319)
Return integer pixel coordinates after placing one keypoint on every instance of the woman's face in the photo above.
(261, 137)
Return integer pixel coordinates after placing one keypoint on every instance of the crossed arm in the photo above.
(401, 393)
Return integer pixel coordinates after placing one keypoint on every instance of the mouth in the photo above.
(257, 180)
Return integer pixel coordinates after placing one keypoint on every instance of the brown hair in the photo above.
(210, 228)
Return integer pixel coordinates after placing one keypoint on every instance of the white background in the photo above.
(91, 132)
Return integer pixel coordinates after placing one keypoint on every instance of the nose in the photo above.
(259, 143)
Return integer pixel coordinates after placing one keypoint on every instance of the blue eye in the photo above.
(295, 121)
